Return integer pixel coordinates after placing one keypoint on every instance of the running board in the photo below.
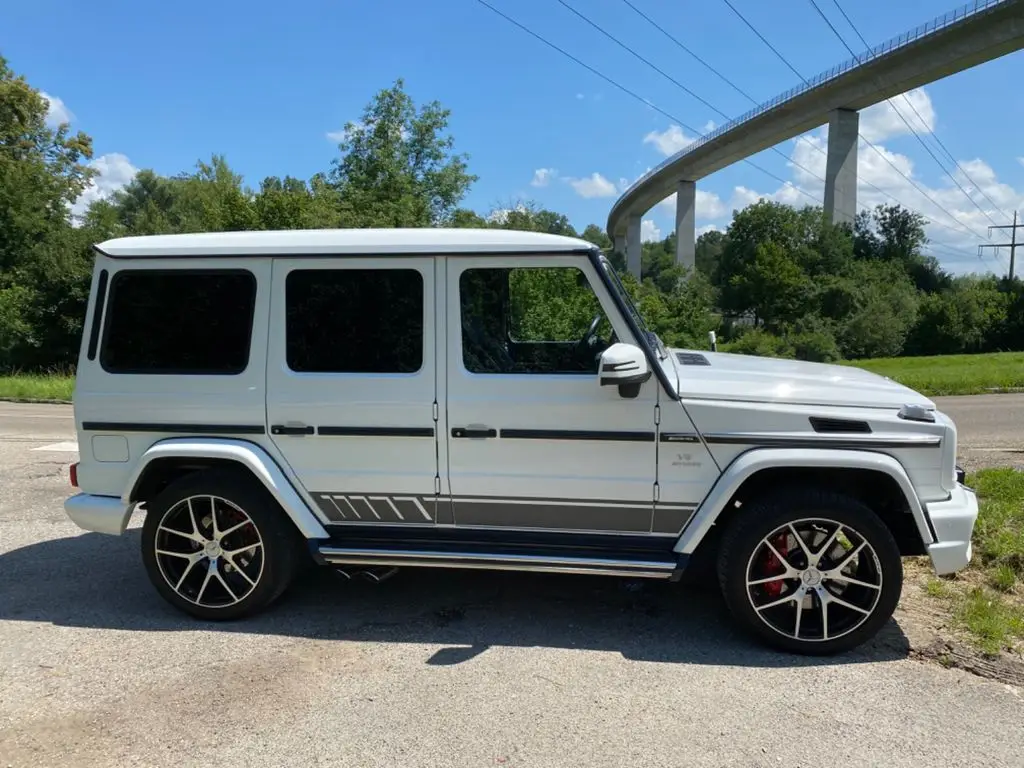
(643, 569)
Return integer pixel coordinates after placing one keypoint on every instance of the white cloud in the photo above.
(543, 176)
(594, 185)
(881, 121)
(707, 228)
(57, 111)
(669, 141)
(345, 133)
(649, 231)
(709, 126)
(113, 171)
(708, 204)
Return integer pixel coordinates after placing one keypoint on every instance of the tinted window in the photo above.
(178, 322)
(355, 320)
(531, 320)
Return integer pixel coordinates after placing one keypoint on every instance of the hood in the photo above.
(725, 376)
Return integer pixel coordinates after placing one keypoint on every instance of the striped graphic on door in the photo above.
(374, 508)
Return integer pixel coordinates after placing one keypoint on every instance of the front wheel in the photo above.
(216, 546)
(812, 572)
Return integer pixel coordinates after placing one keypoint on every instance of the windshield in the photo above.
(623, 294)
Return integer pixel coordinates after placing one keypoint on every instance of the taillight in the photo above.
(74, 475)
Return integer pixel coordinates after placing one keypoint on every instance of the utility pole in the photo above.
(1012, 245)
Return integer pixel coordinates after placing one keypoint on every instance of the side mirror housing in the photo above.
(624, 366)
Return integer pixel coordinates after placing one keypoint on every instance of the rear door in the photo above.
(351, 385)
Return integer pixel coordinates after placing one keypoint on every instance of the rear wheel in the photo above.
(813, 572)
(217, 546)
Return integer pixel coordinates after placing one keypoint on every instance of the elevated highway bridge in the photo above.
(965, 37)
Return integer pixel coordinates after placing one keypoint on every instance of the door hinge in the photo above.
(437, 485)
(435, 410)
(657, 414)
(657, 492)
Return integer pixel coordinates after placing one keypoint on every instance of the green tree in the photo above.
(291, 203)
(772, 285)
(966, 318)
(43, 170)
(397, 167)
(594, 234)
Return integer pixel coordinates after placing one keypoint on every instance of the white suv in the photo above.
(485, 399)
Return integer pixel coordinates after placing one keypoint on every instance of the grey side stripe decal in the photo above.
(597, 515)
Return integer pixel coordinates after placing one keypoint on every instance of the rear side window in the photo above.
(179, 322)
(354, 320)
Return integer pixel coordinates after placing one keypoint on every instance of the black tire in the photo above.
(760, 518)
(279, 550)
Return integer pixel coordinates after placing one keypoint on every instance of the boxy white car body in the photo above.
(655, 445)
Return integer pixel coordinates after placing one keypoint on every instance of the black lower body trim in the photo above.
(577, 434)
(191, 429)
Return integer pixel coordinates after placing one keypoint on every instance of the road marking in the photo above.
(68, 446)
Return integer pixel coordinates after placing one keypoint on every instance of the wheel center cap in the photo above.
(811, 577)
(212, 549)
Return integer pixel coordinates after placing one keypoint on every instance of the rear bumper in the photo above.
(100, 514)
(953, 522)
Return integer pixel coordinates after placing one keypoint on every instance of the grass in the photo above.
(952, 374)
(36, 387)
(987, 598)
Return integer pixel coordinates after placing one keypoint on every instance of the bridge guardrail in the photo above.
(957, 15)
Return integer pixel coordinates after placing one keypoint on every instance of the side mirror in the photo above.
(624, 366)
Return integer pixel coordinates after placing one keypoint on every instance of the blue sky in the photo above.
(163, 85)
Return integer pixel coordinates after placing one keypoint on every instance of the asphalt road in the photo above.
(443, 669)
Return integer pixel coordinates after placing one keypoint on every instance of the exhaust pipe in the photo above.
(377, 575)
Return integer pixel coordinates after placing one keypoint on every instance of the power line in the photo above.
(904, 119)
(750, 98)
(764, 40)
(629, 92)
(671, 79)
(860, 135)
(934, 135)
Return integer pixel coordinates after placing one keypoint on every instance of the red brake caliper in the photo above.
(772, 565)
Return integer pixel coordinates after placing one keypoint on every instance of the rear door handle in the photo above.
(477, 432)
(291, 429)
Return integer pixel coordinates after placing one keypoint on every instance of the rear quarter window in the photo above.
(179, 322)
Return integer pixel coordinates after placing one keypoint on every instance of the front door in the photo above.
(351, 385)
(533, 441)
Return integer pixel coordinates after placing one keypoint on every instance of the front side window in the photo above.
(531, 320)
(184, 322)
(354, 320)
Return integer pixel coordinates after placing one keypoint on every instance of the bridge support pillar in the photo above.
(633, 245)
(686, 204)
(841, 167)
(619, 246)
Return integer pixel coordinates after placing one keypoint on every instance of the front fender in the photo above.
(250, 456)
(747, 464)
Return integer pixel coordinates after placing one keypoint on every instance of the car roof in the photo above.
(341, 242)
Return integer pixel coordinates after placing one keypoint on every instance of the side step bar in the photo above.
(644, 569)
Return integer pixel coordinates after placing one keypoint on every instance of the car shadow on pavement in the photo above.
(98, 581)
